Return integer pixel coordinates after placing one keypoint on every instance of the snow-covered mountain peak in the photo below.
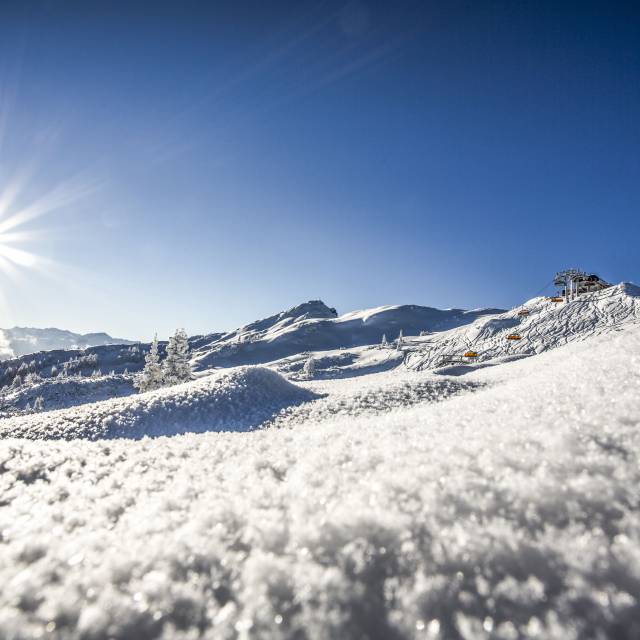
(311, 309)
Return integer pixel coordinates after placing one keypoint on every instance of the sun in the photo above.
(16, 232)
(12, 256)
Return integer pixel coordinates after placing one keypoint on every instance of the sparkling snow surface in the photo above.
(231, 400)
(510, 511)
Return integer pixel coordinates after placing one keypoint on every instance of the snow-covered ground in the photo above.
(60, 393)
(232, 400)
(398, 504)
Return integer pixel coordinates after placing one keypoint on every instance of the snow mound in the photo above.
(236, 400)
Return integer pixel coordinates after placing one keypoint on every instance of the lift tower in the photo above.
(573, 282)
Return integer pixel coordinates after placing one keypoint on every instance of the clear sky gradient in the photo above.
(203, 164)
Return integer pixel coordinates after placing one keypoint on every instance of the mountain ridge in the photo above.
(20, 341)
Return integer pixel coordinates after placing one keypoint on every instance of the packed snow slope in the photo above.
(235, 400)
(547, 325)
(20, 341)
(315, 327)
(510, 513)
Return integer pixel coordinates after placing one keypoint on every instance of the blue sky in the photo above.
(203, 164)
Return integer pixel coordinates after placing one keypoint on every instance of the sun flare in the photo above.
(16, 230)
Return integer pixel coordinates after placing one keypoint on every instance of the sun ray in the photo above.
(61, 196)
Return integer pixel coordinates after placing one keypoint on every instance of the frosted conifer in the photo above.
(176, 367)
(151, 376)
(309, 368)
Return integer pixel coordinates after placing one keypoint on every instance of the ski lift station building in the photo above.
(573, 282)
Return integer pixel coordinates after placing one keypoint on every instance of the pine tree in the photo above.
(384, 342)
(151, 376)
(38, 404)
(176, 367)
(32, 378)
(309, 368)
(399, 341)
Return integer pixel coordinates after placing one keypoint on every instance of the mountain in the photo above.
(313, 326)
(20, 341)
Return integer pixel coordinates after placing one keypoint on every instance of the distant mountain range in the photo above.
(20, 341)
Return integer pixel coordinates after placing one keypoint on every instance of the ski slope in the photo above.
(508, 509)
(548, 325)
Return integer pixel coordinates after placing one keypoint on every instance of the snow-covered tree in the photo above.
(176, 366)
(383, 342)
(152, 376)
(54, 371)
(17, 381)
(400, 340)
(38, 404)
(309, 368)
(32, 378)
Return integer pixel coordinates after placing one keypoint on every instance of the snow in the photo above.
(510, 508)
(19, 341)
(235, 400)
(60, 393)
(547, 326)
(314, 326)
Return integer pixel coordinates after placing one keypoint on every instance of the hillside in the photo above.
(315, 327)
(546, 325)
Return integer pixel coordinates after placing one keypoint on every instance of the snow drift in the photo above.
(236, 400)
